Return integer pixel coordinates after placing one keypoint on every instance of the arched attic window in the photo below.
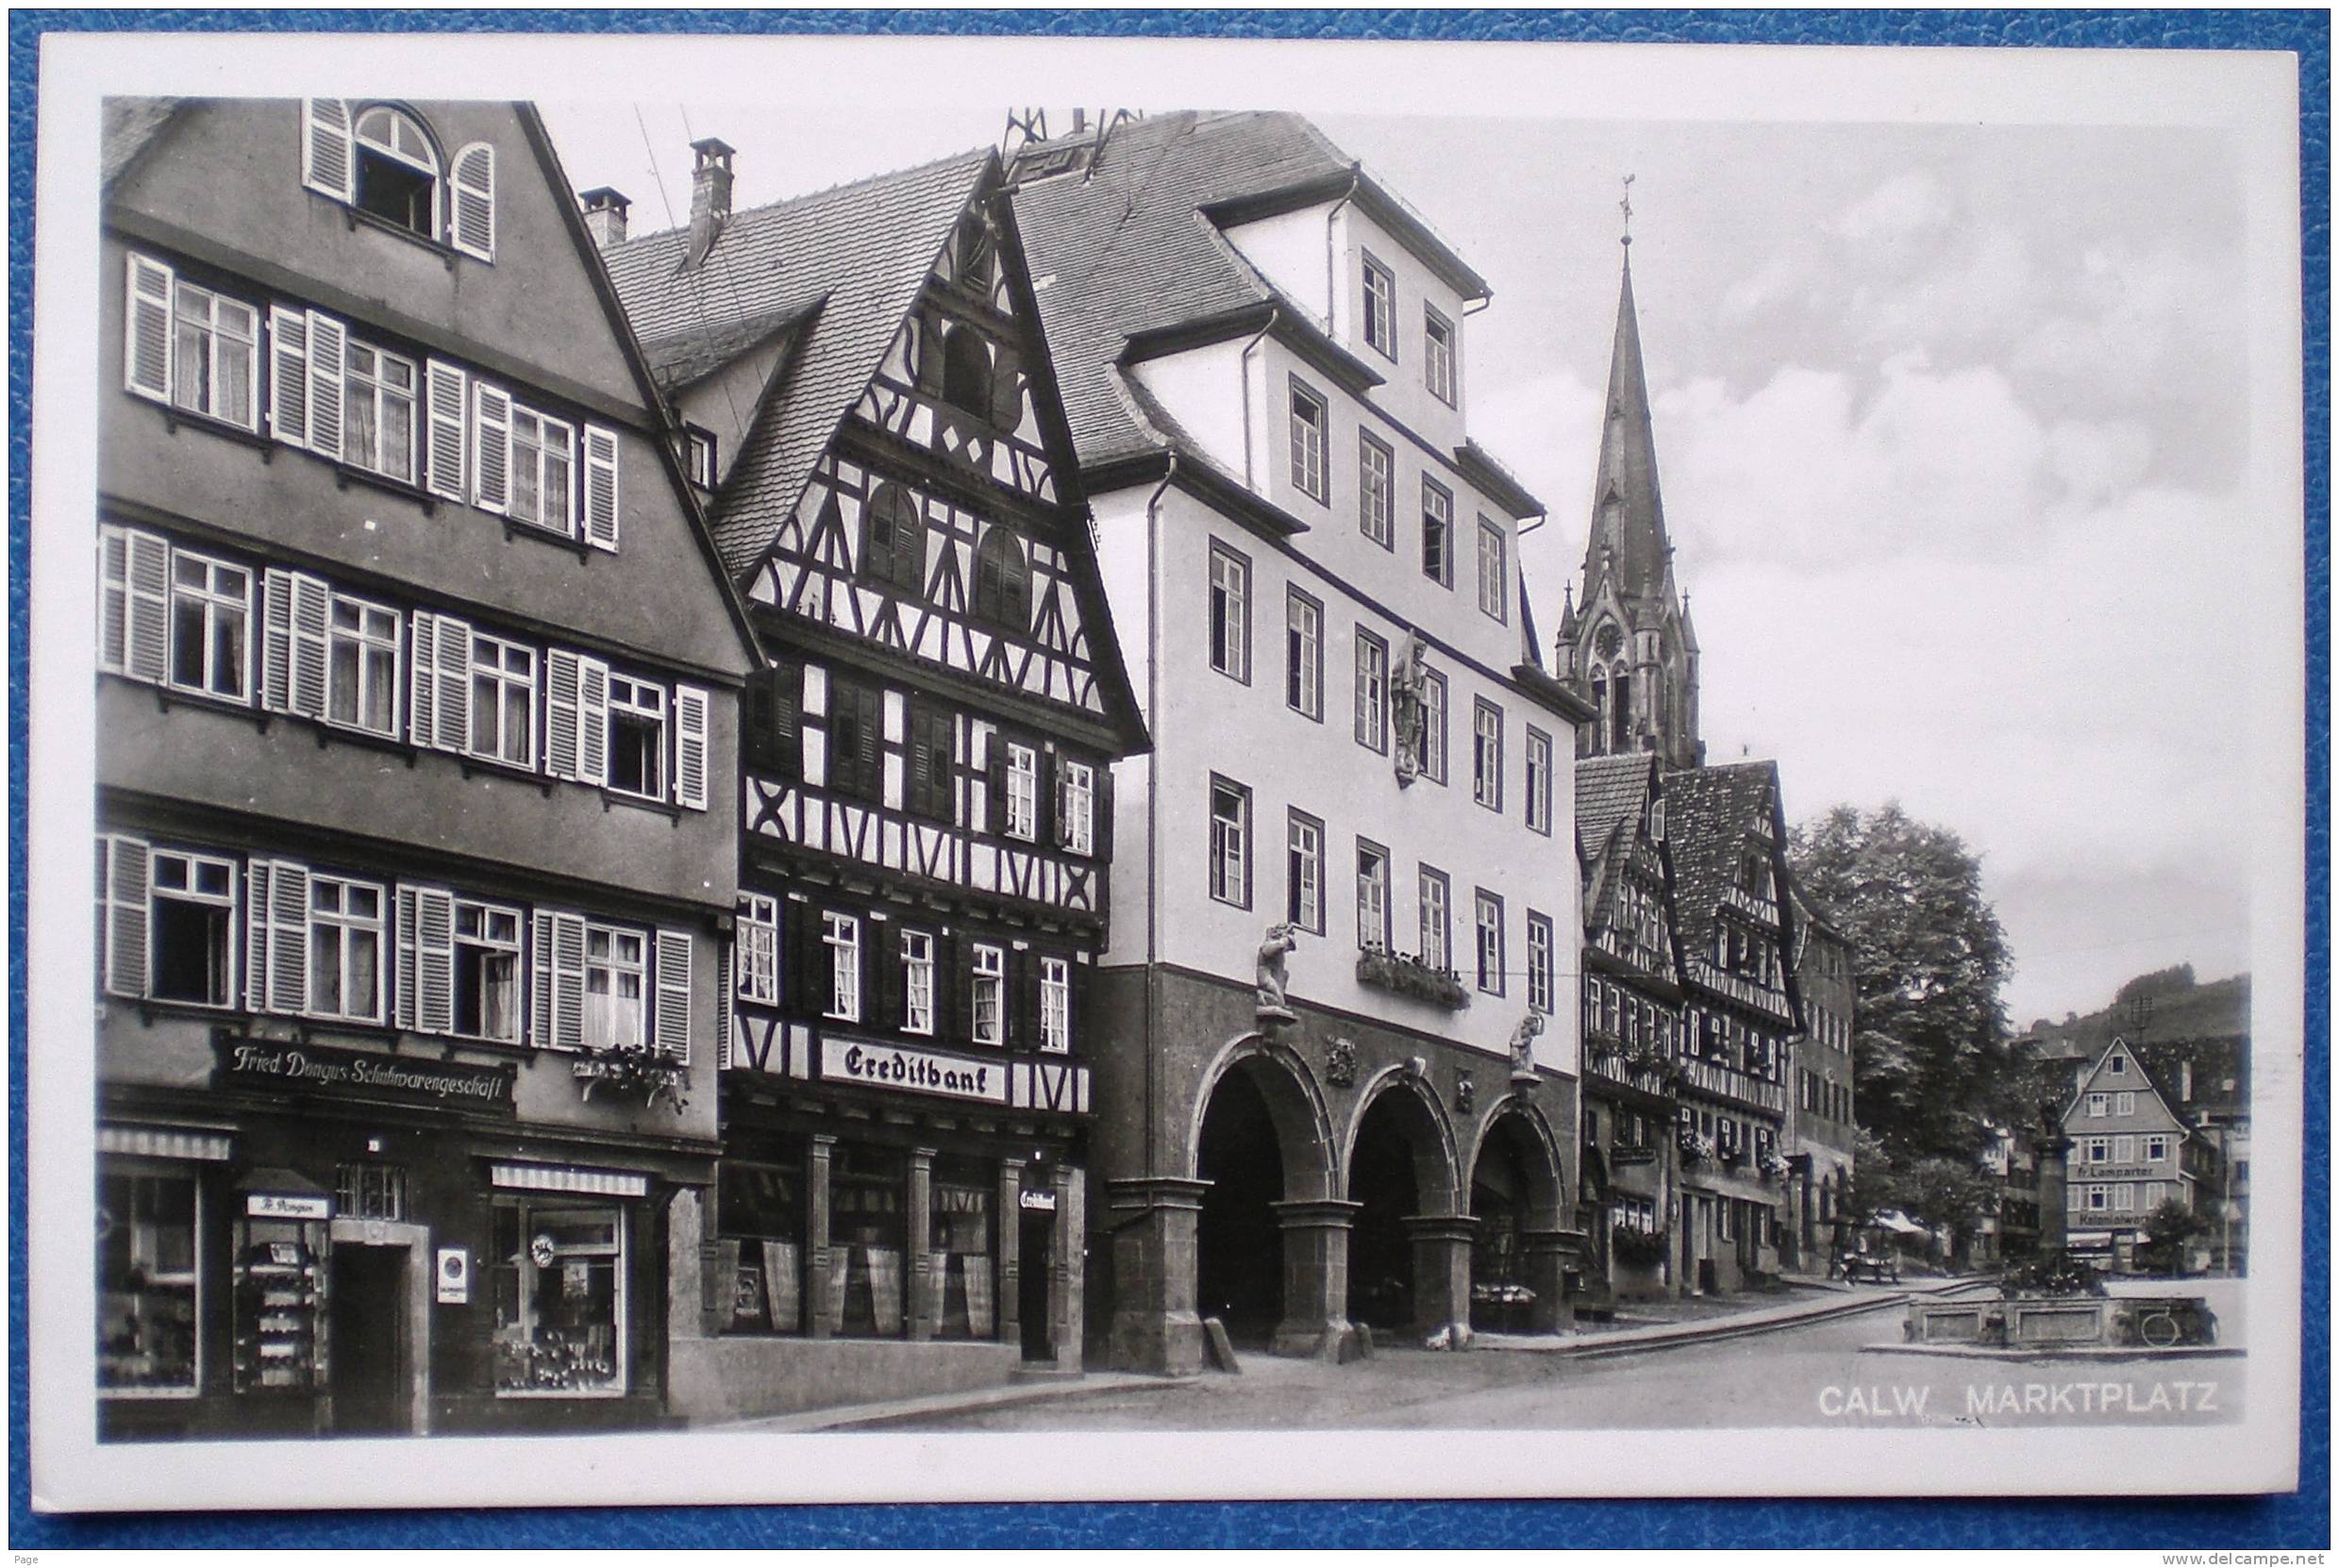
(1003, 582)
(894, 539)
(397, 170)
(966, 372)
(971, 249)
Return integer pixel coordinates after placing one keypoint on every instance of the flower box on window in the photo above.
(1407, 975)
(1696, 1148)
(631, 1070)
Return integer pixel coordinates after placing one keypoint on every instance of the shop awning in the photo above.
(162, 1142)
(275, 1178)
(570, 1178)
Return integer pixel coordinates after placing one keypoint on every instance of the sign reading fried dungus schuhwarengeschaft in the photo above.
(304, 1069)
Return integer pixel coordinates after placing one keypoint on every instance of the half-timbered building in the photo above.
(1744, 1009)
(417, 826)
(1346, 1064)
(926, 791)
(1633, 1028)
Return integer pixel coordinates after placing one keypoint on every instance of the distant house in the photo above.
(2130, 1151)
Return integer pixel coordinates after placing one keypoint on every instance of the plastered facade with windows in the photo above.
(2130, 1151)
(413, 848)
(1344, 878)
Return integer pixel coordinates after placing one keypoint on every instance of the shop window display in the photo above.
(961, 1237)
(145, 1284)
(761, 1222)
(868, 1202)
(558, 1285)
(281, 1345)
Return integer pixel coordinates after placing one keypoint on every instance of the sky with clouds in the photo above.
(1950, 424)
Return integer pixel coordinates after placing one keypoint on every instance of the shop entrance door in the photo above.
(1035, 1263)
(371, 1358)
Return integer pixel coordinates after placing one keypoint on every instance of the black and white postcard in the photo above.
(757, 777)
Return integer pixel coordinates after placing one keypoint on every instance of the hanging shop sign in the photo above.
(1037, 1203)
(288, 1206)
(302, 1069)
(454, 1276)
(919, 1072)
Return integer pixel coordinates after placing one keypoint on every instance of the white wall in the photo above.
(1202, 390)
(1296, 251)
(1405, 395)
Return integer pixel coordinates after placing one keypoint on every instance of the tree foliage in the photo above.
(2166, 1230)
(1939, 1191)
(1932, 1056)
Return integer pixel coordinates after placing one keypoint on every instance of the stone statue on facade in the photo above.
(1408, 685)
(1523, 1048)
(1274, 974)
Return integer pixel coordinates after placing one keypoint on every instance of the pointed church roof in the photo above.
(1627, 534)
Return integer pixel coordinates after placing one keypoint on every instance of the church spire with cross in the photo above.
(1628, 646)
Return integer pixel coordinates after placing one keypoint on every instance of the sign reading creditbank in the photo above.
(920, 1071)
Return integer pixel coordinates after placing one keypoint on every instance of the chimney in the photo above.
(710, 196)
(605, 215)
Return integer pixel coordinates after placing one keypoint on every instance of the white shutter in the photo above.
(560, 693)
(447, 397)
(276, 640)
(287, 375)
(434, 960)
(727, 1004)
(146, 334)
(256, 935)
(288, 938)
(328, 148)
(568, 980)
(402, 1008)
(312, 612)
(149, 633)
(125, 916)
(673, 994)
(472, 218)
(422, 680)
(689, 747)
(114, 598)
(328, 362)
(453, 662)
(490, 448)
(592, 721)
(600, 487)
(539, 1029)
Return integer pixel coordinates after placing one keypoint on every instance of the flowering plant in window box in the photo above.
(1771, 1163)
(1697, 1148)
(1407, 975)
(631, 1070)
(1638, 1249)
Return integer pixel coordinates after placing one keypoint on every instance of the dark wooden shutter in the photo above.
(960, 984)
(892, 993)
(871, 760)
(1006, 391)
(949, 980)
(930, 355)
(806, 993)
(788, 719)
(994, 783)
(877, 535)
(1076, 1005)
(760, 720)
(1023, 998)
(877, 956)
(1045, 813)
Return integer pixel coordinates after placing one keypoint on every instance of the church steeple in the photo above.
(1627, 641)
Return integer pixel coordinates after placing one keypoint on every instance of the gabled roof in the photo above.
(126, 127)
(1710, 814)
(1121, 249)
(1612, 798)
(2152, 1080)
(683, 358)
(858, 252)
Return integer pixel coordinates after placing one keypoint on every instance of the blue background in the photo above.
(2298, 1522)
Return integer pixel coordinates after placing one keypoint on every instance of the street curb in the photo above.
(836, 1418)
(2075, 1353)
(1716, 1329)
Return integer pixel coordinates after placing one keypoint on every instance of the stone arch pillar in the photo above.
(1401, 1107)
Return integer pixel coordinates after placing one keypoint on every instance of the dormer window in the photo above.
(1381, 307)
(1437, 354)
(397, 170)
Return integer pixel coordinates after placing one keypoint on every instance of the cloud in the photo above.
(1904, 204)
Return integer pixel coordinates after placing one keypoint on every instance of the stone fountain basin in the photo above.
(2133, 1323)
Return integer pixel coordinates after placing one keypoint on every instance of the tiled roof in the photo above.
(1709, 813)
(1121, 248)
(680, 359)
(861, 253)
(1612, 792)
(126, 127)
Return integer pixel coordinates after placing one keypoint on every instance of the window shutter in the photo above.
(276, 640)
(600, 487)
(561, 679)
(312, 609)
(328, 148)
(471, 219)
(287, 375)
(1044, 815)
(1100, 837)
(568, 980)
(449, 653)
(726, 1005)
(674, 994)
(402, 1012)
(1076, 1001)
(930, 355)
(114, 598)
(798, 937)
(329, 362)
(689, 747)
(447, 394)
(994, 783)
(146, 334)
(256, 892)
(149, 641)
(434, 967)
(593, 721)
(892, 992)
(875, 951)
(539, 1029)
(949, 959)
(125, 916)
(1006, 391)
(490, 448)
(288, 938)
(422, 680)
